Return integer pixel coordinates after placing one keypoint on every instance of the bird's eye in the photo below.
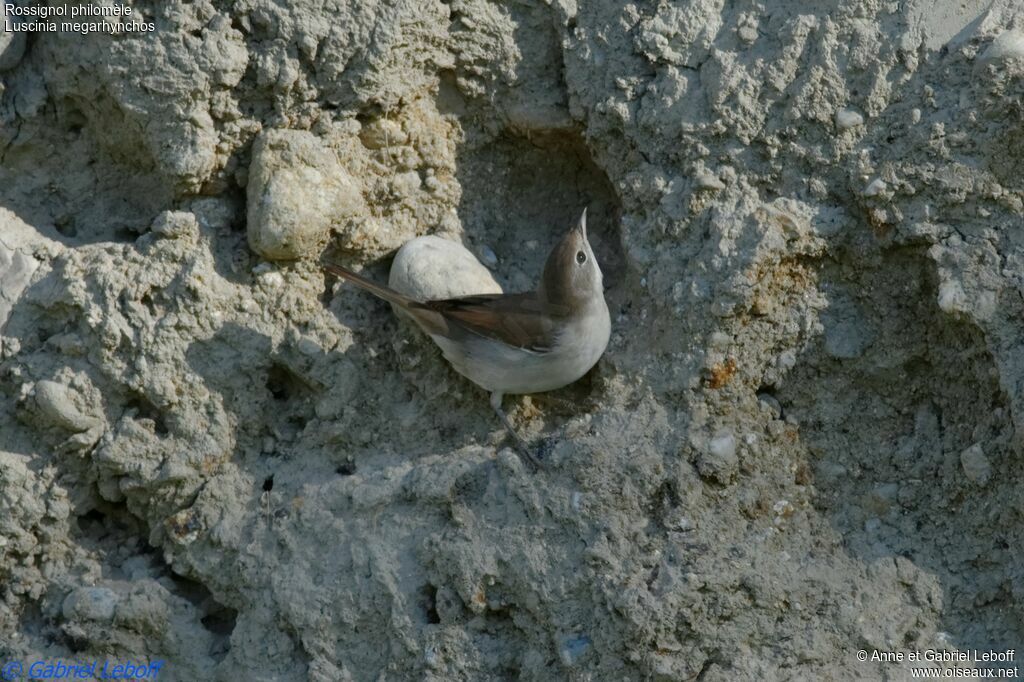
(581, 257)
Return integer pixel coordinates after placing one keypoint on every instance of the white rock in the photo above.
(723, 444)
(952, 297)
(976, 465)
(848, 118)
(430, 267)
(90, 603)
(273, 280)
(719, 340)
(783, 509)
(747, 34)
(216, 213)
(175, 224)
(56, 403)
(709, 181)
(719, 461)
(1007, 45)
(875, 187)
(297, 192)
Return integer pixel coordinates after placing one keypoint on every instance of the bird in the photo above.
(519, 343)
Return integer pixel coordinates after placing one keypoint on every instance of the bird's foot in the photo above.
(544, 447)
(535, 456)
(528, 457)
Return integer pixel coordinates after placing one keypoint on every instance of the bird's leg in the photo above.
(521, 446)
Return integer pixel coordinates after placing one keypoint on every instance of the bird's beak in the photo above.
(582, 224)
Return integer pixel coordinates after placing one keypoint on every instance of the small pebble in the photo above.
(720, 340)
(175, 224)
(273, 279)
(709, 181)
(848, 118)
(875, 187)
(432, 183)
(952, 298)
(90, 603)
(573, 648)
(309, 347)
(488, 256)
(772, 403)
(723, 444)
(783, 509)
(976, 465)
(56, 402)
(719, 461)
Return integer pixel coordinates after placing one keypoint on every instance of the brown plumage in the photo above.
(518, 343)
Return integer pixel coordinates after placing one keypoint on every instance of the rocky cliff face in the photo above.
(805, 437)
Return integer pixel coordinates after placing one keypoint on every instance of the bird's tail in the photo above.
(377, 290)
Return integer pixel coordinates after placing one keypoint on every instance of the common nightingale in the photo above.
(530, 342)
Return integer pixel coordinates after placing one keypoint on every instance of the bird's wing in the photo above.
(519, 320)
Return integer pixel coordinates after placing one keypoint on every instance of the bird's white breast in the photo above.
(496, 366)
